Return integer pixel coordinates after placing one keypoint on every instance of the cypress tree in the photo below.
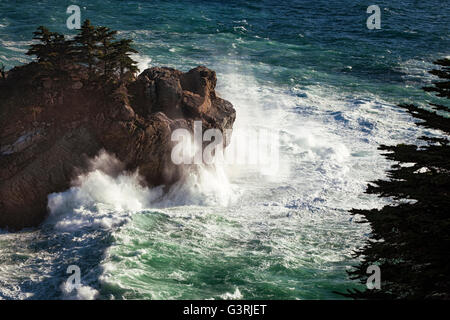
(44, 49)
(93, 47)
(122, 51)
(106, 50)
(62, 52)
(410, 240)
(86, 52)
(53, 52)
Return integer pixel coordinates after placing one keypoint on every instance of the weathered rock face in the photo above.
(49, 128)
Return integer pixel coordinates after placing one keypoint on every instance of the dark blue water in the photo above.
(321, 36)
(311, 69)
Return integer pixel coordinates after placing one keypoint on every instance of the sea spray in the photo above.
(288, 236)
(263, 242)
(102, 197)
(105, 196)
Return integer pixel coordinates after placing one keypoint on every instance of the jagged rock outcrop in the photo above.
(50, 127)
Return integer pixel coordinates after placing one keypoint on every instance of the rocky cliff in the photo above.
(50, 127)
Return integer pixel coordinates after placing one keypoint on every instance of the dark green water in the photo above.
(311, 71)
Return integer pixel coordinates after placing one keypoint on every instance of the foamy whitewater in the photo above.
(232, 231)
(247, 234)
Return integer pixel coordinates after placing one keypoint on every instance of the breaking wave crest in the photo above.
(106, 195)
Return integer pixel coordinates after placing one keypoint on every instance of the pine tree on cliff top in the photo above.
(94, 47)
(45, 49)
(53, 52)
(106, 50)
(410, 241)
(86, 46)
(122, 51)
(61, 53)
(100, 51)
(41, 50)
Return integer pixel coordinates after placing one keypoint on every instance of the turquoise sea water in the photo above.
(310, 70)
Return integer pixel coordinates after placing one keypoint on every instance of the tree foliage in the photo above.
(51, 50)
(410, 240)
(2, 71)
(93, 47)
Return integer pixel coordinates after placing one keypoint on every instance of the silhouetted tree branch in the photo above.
(410, 241)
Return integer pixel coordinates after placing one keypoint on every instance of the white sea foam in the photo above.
(143, 62)
(294, 219)
(80, 293)
(100, 199)
(106, 196)
(201, 186)
(328, 153)
(236, 295)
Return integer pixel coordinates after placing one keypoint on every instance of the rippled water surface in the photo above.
(311, 71)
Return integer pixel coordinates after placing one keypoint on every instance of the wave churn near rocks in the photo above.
(50, 128)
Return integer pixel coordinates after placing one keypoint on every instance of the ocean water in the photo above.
(310, 71)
